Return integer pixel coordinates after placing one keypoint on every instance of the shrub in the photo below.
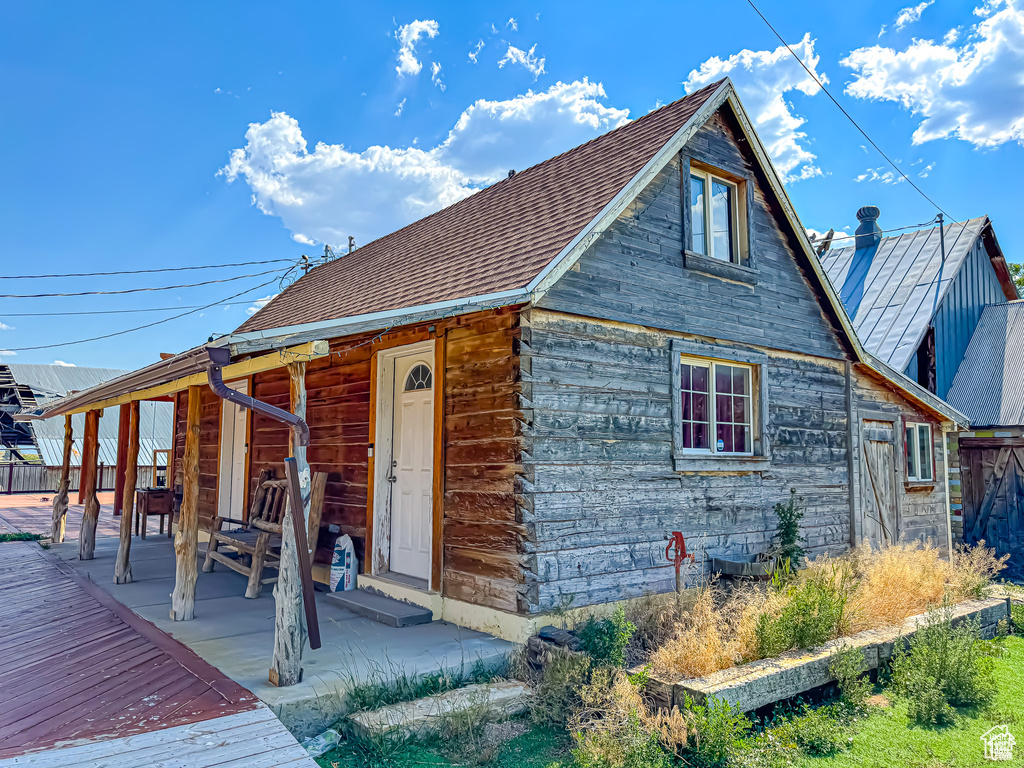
(816, 732)
(787, 535)
(972, 569)
(556, 691)
(719, 727)
(606, 639)
(943, 665)
(613, 727)
(811, 613)
(847, 667)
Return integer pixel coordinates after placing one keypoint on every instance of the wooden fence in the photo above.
(38, 478)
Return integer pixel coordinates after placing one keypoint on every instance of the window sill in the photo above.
(918, 485)
(721, 269)
(691, 463)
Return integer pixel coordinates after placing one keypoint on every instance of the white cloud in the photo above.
(435, 75)
(512, 24)
(8, 352)
(527, 58)
(408, 36)
(952, 36)
(974, 92)
(763, 78)
(260, 304)
(325, 194)
(62, 364)
(476, 52)
(398, 113)
(911, 14)
(882, 174)
(5, 327)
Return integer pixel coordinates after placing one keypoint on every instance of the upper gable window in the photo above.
(714, 216)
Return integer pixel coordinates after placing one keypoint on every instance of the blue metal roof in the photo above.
(989, 385)
(893, 289)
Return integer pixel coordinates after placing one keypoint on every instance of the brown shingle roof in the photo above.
(497, 239)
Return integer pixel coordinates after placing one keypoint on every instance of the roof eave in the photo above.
(923, 397)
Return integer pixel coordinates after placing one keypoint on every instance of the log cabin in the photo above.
(518, 398)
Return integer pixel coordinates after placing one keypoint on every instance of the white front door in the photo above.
(231, 496)
(412, 466)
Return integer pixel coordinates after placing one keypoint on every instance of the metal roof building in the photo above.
(25, 385)
(989, 385)
(915, 299)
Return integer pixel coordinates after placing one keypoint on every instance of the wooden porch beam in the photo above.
(290, 620)
(87, 533)
(60, 501)
(126, 484)
(311, 350)
(186, 541)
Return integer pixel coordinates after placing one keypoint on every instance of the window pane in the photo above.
(694, 394)
(723, 408)
(723, 379)
(739, 381)
(721, 220)
(924, 451)
(725, 438)
(687, 405)
(700, 379)
(700, 436)
(686, 376)
(687, 436)
(739, 410)
(911, 474)
(741, 439)
(697, 240)
(700, 407)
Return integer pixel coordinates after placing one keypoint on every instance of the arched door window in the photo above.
(419, 378)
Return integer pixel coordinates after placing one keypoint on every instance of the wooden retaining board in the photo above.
(760, 683)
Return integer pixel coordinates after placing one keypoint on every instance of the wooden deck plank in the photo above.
(81, 667)
(252, 739)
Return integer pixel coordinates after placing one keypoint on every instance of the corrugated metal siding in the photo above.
(156, 427)
(892, 291)
(989, 385)
(50, 381)
(975, 287)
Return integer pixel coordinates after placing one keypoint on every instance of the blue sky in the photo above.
(142, 136)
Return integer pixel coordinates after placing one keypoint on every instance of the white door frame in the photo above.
(383, 438)
(227, 505)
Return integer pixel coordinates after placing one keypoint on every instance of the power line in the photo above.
(100, 311)
(142, 327)
(149, 271)
(848, 116)
(134, 290)
(882, 231)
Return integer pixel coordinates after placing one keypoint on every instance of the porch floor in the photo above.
(236, 635)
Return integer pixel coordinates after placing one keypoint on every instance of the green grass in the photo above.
(885, 738)
(537, 748)
(19, 536)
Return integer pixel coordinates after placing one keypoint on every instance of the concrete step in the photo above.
(380, 608)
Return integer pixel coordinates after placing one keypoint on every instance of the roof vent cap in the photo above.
(868, 232)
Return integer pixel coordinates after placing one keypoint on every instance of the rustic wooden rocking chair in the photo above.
(259, 541)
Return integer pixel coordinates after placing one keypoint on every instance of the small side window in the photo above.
(918, 447)
(715, 214)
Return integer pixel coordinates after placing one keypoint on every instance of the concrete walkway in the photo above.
(236, 635)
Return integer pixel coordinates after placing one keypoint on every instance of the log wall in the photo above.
(209, 440)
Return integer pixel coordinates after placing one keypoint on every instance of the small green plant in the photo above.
(556, 691)
(605, 640)
(720, 728)
(942, 666)
(628, 746)
(847, 667)
(461, 733)
(787, 536)
(811, 614)
(387, 683)
(816, 732)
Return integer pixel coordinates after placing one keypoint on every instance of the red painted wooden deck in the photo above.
(33, 512)
(75, 665)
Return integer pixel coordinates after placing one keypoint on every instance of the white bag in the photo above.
(343, 565)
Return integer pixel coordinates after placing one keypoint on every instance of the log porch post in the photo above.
(290, 620)
(186, 541)
(124, 416)
(90, 452)
(60, 501)
(126, 485)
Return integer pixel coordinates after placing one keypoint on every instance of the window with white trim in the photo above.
(918, 447)
(717, 407)
(714, 216)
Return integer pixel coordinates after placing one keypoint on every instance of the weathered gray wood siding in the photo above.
(921, 508)
(635, 272)
(599, 492)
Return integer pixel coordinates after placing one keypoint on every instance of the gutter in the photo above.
(220, 357)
